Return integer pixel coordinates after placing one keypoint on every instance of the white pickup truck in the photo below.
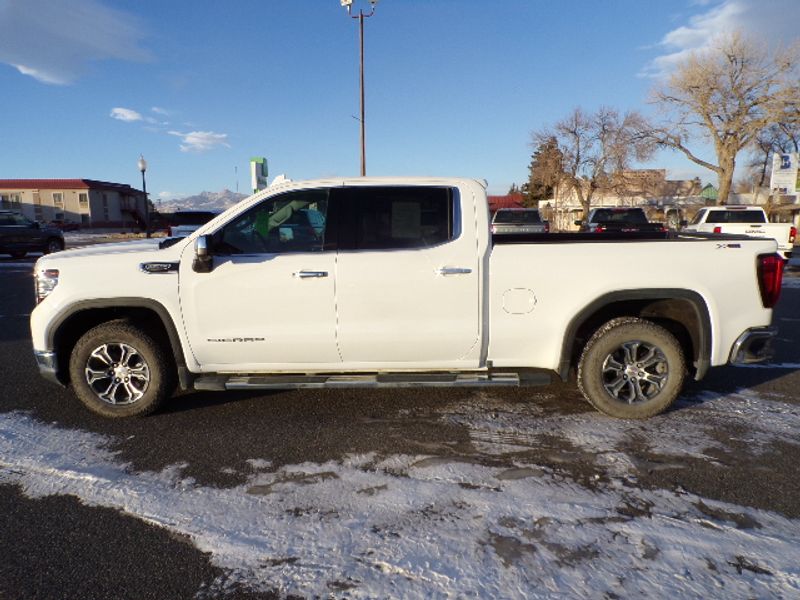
(744, 220)
(397, 282)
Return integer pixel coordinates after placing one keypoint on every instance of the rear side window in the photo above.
(392, 218)
(735, 216)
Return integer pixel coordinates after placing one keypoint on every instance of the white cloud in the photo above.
(770, 21)
(41, 76)
(201, 141)
(53, 41)
(160, 111)
(125, 114)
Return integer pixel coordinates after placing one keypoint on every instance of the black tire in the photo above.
(18, 254)
(118, 370)
(631, 369)
(53, 245)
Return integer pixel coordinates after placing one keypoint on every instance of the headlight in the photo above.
(46, 281)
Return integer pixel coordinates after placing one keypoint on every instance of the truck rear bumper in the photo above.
(48, 366)
(754, 345)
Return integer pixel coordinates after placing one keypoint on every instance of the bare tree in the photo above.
(594, 151)
(727, 94)
(776, 138)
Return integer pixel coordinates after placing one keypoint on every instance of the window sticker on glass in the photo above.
(406, 220)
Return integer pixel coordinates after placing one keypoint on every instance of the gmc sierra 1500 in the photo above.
(399, 283)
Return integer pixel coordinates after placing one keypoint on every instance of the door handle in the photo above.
(453, 271)
(307, 274)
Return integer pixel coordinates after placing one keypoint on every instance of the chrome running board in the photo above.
(379, 380)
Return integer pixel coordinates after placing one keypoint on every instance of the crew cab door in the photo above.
(268, 302)
(407, 279)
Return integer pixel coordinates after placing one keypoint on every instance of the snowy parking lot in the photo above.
(448, 494)
(495, 521)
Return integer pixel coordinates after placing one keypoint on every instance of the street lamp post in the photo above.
(361, 16)
(143, 167)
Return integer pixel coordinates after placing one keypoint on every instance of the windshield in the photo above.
(525, 217)
(619, 215)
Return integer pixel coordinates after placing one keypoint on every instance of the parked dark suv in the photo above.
(19, 235)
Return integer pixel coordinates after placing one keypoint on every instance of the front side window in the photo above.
(14, 219)
(292, 222)
(390, 218)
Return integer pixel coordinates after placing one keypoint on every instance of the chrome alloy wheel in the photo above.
(635, 371)
(117, 373)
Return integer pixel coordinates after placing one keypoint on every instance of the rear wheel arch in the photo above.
(149, 315)
(684, 313)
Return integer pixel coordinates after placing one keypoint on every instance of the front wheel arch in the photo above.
(68, 327)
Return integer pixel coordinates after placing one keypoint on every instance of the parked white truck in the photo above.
(399, 283)
(744, 220)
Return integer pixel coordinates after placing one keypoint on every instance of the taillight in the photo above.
(770, 276)
(792, 234)
(600, 229)
(717, 229)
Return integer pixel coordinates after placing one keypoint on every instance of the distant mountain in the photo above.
(202, 201)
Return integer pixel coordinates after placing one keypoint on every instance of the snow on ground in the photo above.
(436, 527)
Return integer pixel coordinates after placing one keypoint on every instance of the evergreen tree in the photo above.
(543, 172)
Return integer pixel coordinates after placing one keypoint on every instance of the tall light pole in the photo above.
(142, 164)
(361, 16)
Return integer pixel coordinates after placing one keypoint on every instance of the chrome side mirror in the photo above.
(203, 261)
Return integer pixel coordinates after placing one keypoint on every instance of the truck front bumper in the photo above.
(754, 345)
(48, 366)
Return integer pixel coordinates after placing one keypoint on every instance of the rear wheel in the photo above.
(631, 369)
(118, 370)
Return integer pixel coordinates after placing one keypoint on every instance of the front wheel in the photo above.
(118, 370)
(53, 245)
(631, 369)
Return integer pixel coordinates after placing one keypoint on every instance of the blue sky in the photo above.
(454, 87)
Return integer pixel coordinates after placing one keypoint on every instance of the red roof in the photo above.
(507, 201)
(63, 184)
